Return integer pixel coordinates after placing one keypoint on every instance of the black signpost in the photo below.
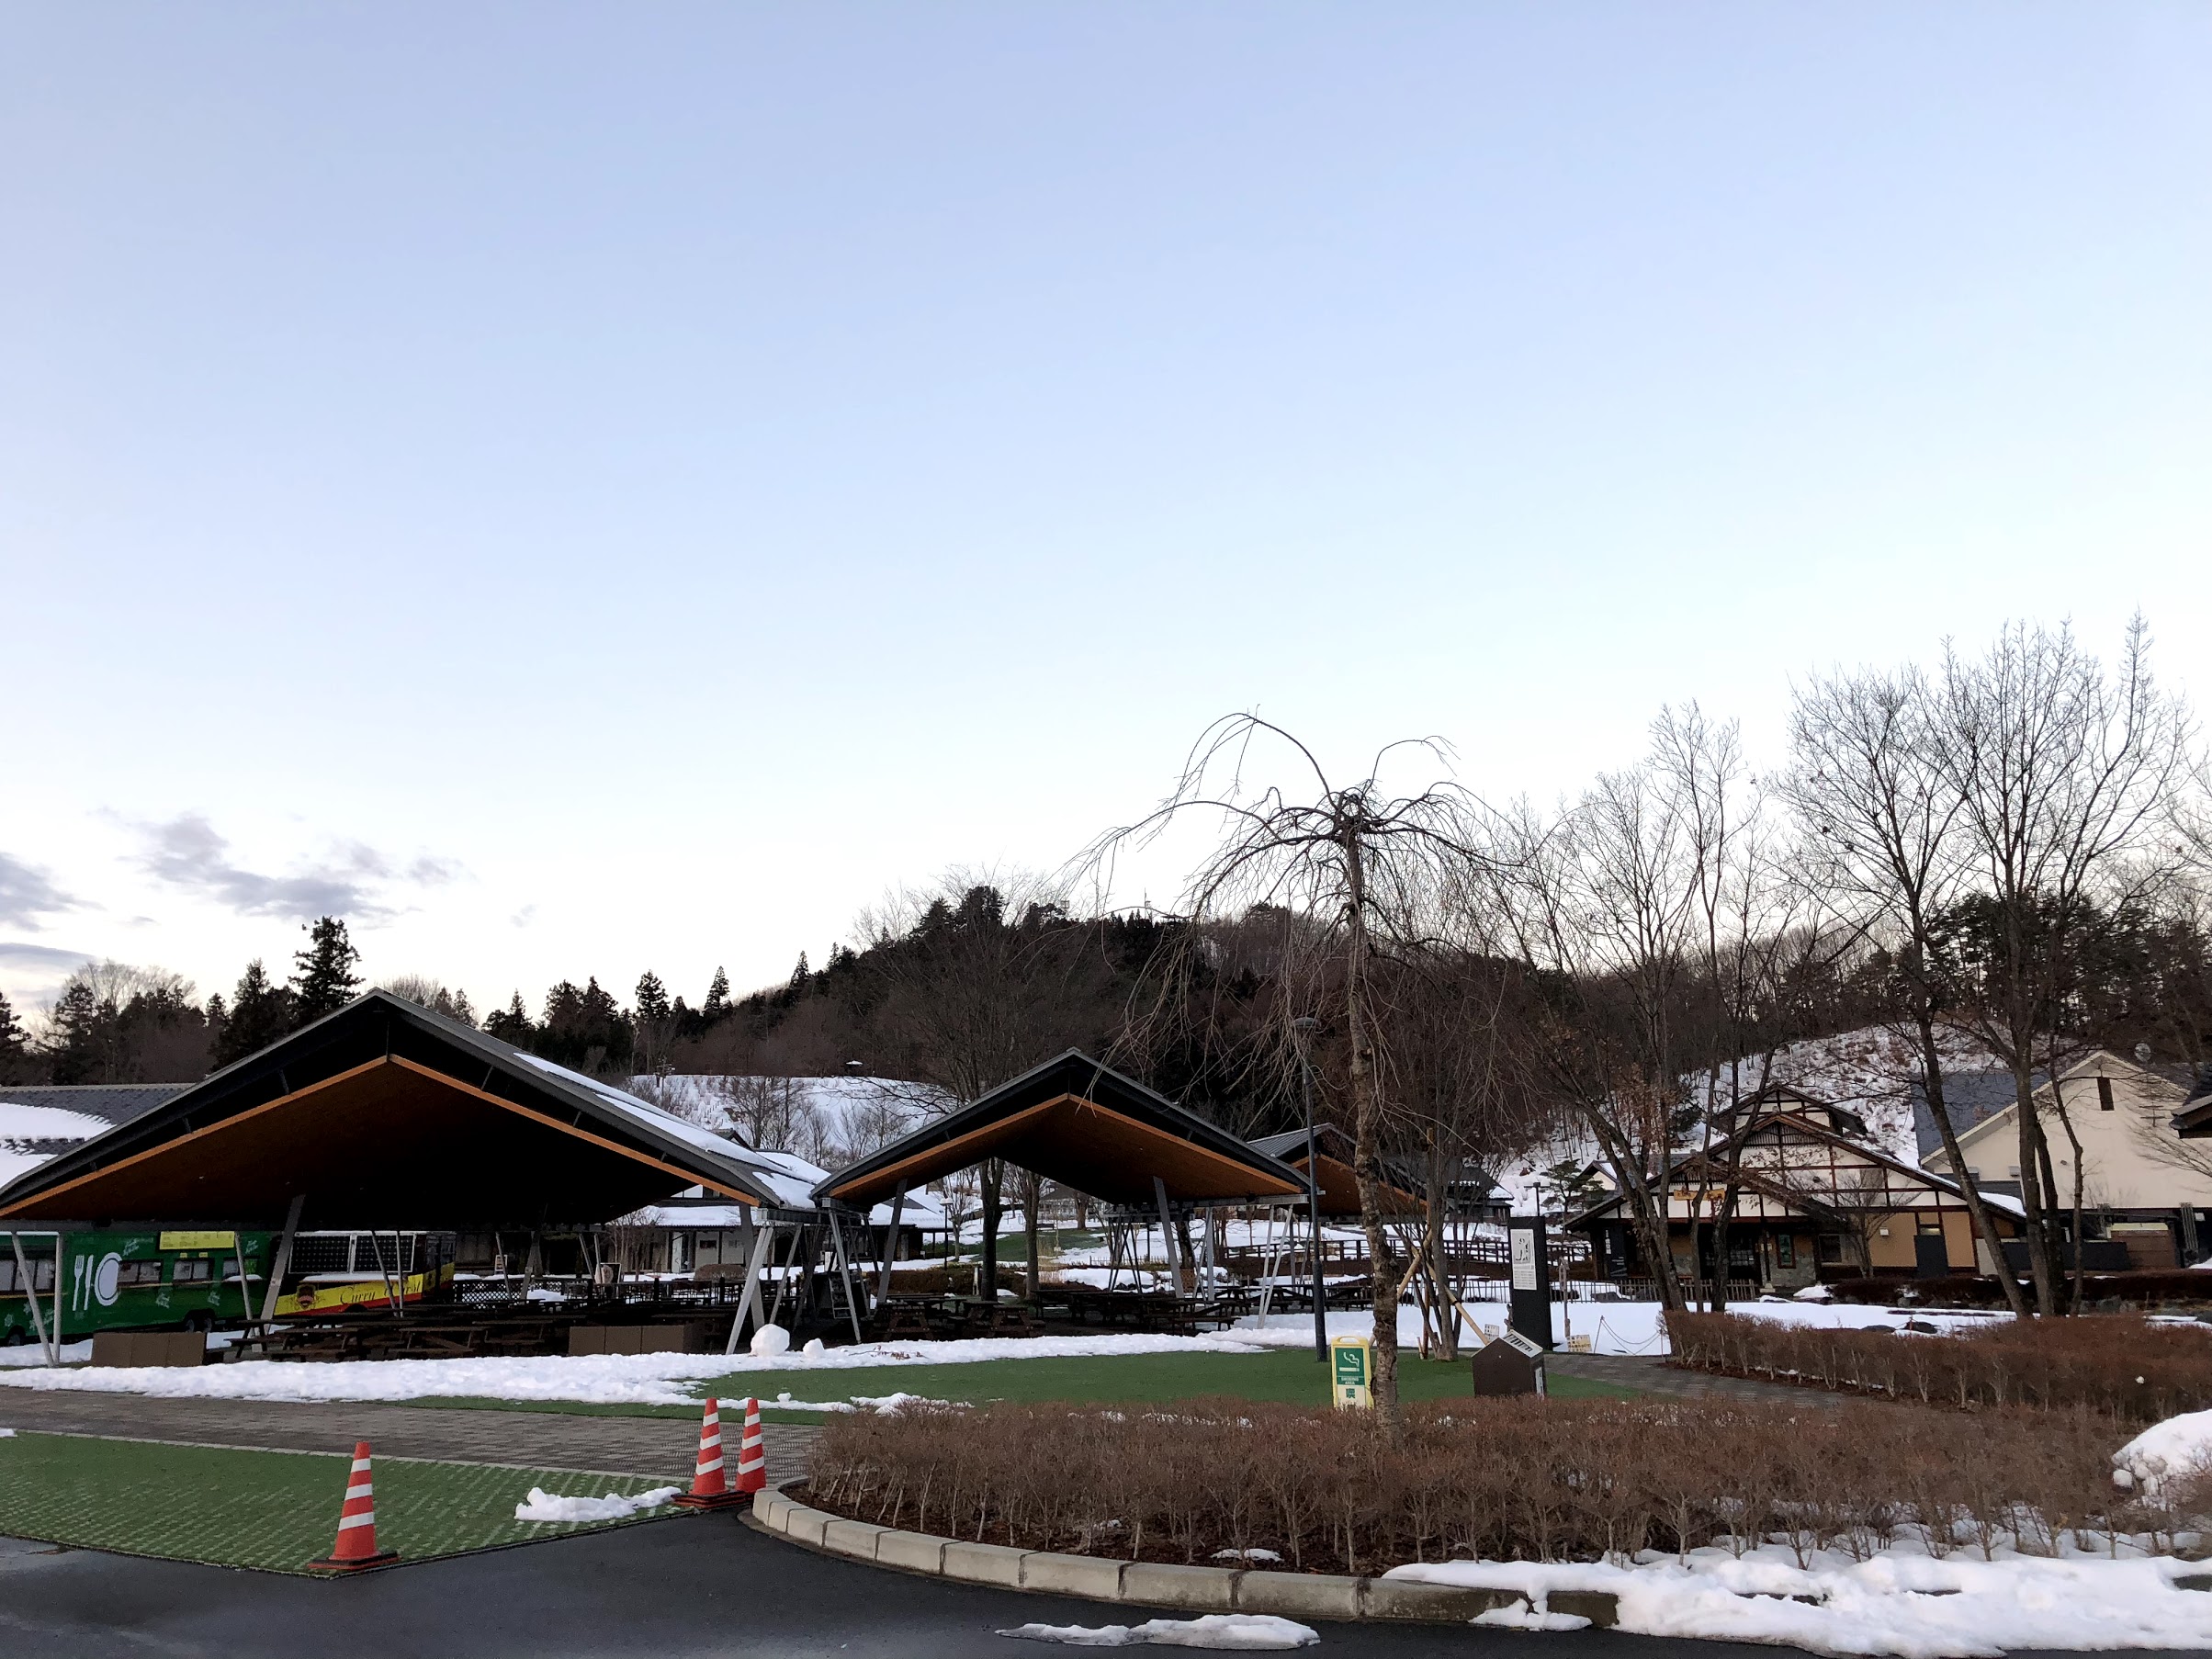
(1530, 1269)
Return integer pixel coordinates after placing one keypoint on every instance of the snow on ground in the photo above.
(1248, 1632)
(544, 1506)
(2178, 1447)
(1902, 1601)
(1616, 1328)
(613, 1379)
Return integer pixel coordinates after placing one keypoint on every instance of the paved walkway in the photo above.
(657, 1447)
(1648, 1374)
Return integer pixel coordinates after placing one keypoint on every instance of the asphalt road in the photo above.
(697, 1585)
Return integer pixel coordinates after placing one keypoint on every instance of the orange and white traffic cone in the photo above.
(356, 1545)
(752, 1457)
(710, 1485)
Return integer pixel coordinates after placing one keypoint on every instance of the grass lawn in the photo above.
(274, 1510)
(1289, 1376)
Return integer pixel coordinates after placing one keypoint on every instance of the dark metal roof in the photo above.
(113, 1102)
(1078, 1121)
(1969, 1098)
(594, 1125)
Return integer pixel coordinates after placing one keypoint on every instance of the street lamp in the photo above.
(1305, 1028)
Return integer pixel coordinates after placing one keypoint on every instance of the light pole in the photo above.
(1304, 1029)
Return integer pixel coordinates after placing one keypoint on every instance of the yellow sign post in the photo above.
(1353, 1368)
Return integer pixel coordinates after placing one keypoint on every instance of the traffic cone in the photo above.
(710, 1485)
(752, 1457)
(356, 1545)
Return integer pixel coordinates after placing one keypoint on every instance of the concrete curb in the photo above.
(1148, 1583)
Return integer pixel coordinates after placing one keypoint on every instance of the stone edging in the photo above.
(1149, 1584)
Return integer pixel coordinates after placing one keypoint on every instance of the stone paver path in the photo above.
(657, 1447)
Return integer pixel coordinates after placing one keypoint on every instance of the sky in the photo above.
(585, 488)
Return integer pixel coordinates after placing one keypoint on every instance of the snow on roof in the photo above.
(14, 1163)
(23, 1121)
(1873, 1072)
(667, 1122)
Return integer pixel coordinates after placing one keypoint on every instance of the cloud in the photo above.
(42, 955)
(27, 891)
(188, 852)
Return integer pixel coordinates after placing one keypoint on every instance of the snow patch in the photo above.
(1903, 1601)
(1516, 1616)
(2175, 1448)
(1248, 1632)
(544, 1506)
(771, 1340)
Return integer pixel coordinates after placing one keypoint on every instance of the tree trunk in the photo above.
(1985, 1226)
(987, 1280)
(1032, 1187)
(2032, 1204)
(1384, 1275)
(1439, 1264)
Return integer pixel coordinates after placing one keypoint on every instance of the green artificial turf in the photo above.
(1288, 1376)
(272, 1511)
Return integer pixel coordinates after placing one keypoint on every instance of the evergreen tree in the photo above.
(718, 996)
(324, 979)
(512, 1024)
(260, 1012)
(16, 1062)
(74, 1048)
(652, 998)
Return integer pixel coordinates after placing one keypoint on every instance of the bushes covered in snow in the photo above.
(2119, 1365)
(1491, 1479)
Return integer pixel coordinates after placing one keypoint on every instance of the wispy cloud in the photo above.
(42, 955)
(26, 892)
(188, 852)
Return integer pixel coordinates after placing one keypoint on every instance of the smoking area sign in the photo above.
(1353, 1368)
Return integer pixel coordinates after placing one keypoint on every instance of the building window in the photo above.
(1785, 1250)
(2104, 1094)
(193, 1273)
(1929, 1222)
(1829, 1249)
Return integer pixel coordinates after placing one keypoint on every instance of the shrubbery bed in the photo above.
(2120, 1365)
(1493, 1479)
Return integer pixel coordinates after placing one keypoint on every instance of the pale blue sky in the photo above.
(610, 487)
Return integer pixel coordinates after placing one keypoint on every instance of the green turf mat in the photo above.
(274, 1510)
(1288, 1376)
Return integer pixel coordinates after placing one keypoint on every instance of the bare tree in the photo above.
(1362, 871)
(2063, 776)
(1879, 817)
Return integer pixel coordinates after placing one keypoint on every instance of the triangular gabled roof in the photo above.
(1078, 1121)
(1789, 1113)
(384, 1112)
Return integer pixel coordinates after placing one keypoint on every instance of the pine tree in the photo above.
(653, 997)
(14, 1047)
(260, 1012)
(718, 996)
(512, 1024)
(73, 1049)
(324, 979)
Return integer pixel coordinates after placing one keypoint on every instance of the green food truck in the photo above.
(88, 1280)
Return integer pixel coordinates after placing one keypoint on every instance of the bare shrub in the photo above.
(2117, 1365)
(1491, 1479)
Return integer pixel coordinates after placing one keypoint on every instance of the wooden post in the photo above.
(1175, 1273)
(756, 1263)
(24, 1277)
(882, 1280)
(280, 1263)
(844, 1273)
